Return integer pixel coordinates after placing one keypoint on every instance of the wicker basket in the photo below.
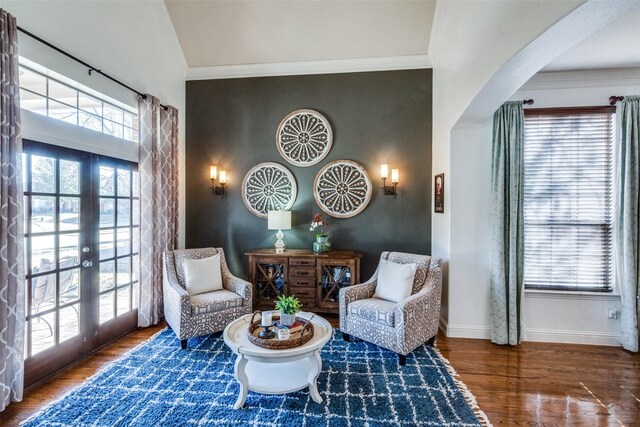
(296, 340)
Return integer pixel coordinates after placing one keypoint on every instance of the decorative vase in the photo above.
(321, 244)
(287, 319)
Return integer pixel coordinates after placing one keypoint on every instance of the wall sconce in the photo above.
(217, 190)
(395, 178)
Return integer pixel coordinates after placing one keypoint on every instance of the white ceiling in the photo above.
(615, 46)
(219, 33)
(238, 32)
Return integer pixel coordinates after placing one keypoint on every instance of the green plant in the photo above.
(288, 305)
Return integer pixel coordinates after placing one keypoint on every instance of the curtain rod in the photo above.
(528, 102)
(89, 66)
(614, 99)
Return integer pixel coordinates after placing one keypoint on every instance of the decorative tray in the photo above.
(297, 338)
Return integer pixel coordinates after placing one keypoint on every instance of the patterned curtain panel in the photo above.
(627, 218)
(158, 166)
(507, 240)
(12, 318)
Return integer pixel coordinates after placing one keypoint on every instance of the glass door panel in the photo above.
(81, 252)
(117, 224)
(333, 275)
(270, 280)
(53, 202)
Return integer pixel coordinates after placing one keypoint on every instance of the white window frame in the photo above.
(537, 269)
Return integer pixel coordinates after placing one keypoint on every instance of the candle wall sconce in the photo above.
(217, 190)
(395, 178)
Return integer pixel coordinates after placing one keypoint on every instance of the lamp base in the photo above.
(279, 245)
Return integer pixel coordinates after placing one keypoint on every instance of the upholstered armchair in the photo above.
(397, 326)
(195, 315)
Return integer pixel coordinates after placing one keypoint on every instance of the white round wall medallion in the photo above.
(304, 137)
(342, 189)
(268, 186)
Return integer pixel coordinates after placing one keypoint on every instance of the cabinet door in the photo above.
(333, 275)
(269, 278)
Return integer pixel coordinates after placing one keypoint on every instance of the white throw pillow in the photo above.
(395, 281)
(202, 275)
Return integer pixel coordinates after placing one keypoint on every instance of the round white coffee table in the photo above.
(269, 371)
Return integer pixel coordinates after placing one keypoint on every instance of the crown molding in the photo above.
(584, 79)
(409, 62)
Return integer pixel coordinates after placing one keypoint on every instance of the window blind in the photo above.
(568, 176)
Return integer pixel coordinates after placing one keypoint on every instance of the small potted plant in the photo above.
(289, 307)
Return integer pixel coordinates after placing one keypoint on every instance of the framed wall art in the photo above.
(304, 137)
(268, 186)
(342, 189)
(438, 193)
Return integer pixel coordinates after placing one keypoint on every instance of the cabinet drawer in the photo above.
(301, 281)
(302, 262)
(302, 292)
(308, 303)
(302, 272)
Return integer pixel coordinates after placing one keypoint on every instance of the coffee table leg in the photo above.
(316, 367)
(241, 376)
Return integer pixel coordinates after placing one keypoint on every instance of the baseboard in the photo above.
(468, 331)
(574, 337)
(536, 335)
(442, 325)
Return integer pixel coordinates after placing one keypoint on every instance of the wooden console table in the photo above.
(316, 279)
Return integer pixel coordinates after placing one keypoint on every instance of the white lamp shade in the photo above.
(279, 220)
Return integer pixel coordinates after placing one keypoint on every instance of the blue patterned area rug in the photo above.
(158, 384)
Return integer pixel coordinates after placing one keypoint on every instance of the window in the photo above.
(568, 178)
(50, 97)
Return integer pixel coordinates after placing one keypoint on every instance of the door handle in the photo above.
(87, 263)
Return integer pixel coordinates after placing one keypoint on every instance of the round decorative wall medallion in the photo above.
(304, 137)
(268, 187)
(342, 189)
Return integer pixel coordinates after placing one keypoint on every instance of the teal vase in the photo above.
(321, 244)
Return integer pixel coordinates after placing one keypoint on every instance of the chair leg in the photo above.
(432, 340)
(183, 343)
(402, 359)
(346, 337)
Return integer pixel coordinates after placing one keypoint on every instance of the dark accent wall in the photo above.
(377, 117)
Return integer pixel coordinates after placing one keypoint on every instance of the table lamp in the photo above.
(279, 220)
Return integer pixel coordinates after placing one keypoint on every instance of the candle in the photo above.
(266, 318)
(223, 177)
(395, 176)
(213, 172)
(283, 334)
(384, 171)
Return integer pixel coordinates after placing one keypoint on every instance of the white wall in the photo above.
(467, 49)
(477, 66)
(131, 40)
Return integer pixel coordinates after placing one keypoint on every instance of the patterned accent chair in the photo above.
(195, 315)
(399, 327)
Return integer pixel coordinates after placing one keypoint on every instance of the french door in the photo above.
(81, 253)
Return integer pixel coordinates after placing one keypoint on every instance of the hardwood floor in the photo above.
(544, 384)
(534, 384)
